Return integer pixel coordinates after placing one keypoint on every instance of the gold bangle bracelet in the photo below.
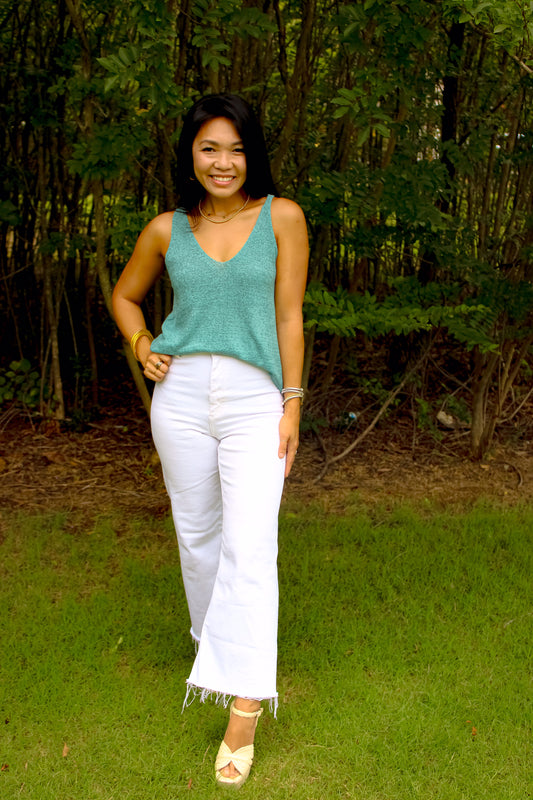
(135, 338)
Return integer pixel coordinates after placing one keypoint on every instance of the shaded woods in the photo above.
(404, 130)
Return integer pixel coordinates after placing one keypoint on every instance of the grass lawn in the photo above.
(405, 663)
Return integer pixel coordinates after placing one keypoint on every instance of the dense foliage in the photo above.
(404, 130)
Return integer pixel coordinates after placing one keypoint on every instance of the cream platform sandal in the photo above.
(241, 759)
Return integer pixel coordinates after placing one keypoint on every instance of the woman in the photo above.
(225, 412)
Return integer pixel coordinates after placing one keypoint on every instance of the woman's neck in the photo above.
(222, 206)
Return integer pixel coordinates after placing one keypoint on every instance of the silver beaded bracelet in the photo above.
(293, 391)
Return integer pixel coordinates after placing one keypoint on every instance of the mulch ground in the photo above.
(111, 465)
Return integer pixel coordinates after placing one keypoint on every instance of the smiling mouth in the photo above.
(222, 178)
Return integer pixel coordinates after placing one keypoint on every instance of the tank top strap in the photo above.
(267, 207)
(263, 225)
(180, 221)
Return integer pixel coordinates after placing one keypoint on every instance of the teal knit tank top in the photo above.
(223, 307)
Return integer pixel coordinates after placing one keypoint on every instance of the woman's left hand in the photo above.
(156, 366)
(289, 428)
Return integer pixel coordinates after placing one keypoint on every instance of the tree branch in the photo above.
(392, 396)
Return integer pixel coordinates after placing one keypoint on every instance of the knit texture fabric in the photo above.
(223, 307)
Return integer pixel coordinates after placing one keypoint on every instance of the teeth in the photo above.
(222, 178)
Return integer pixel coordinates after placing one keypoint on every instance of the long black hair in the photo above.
(259, 181)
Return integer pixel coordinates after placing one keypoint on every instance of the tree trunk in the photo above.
(484, 368)
(332, 361)
(93, 356)
(450, 103)
(296, 83)
(51, 304)
(107, 290)
(308, 355)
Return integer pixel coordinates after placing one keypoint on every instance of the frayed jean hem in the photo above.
(222, 698)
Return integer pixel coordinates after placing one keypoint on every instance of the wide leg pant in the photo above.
(215, 425)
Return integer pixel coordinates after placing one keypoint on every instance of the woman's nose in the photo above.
(223, 160)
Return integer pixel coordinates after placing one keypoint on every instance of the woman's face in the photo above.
(218, 156)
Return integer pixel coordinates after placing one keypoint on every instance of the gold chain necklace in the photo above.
(226, 219)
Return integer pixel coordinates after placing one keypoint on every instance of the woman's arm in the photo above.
(293, 254)
(141, 272)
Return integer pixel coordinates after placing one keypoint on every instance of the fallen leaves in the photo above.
(473, 732)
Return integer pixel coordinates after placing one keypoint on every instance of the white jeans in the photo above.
(215, 423)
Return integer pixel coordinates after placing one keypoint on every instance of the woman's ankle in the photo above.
(249, 706)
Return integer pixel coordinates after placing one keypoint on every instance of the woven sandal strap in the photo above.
(241, 759)
(248, 714)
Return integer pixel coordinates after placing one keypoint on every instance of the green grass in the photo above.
(405, 664)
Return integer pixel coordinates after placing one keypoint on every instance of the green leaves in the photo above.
(410, 307)
(509, 23)
(109, 151)
(20, 383)
(218, 24)
(144, 71)
(119, 65)
(9, 213)
(365, 109)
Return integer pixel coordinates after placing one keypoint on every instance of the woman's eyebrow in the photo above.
(213, 141)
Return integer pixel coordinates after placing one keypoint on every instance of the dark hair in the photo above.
(258, 181)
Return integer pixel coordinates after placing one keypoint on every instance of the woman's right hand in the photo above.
(156, 366)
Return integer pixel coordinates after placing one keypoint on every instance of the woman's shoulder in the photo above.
(160, 226)
(162, 223)
(286, 212)
(156, 235)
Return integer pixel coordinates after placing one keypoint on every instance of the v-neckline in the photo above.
(215, 260)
